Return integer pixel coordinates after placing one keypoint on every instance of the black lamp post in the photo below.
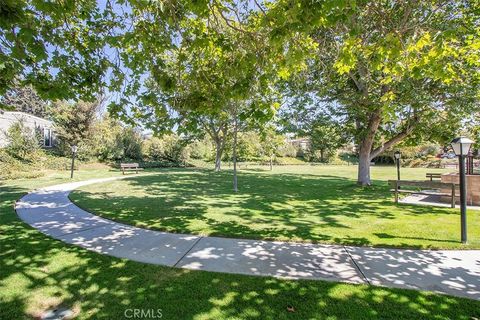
(461, 147)
(397, 155)
(74, 151)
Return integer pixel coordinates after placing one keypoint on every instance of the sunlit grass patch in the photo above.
(296, 203)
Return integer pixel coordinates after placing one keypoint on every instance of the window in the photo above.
(47, 137)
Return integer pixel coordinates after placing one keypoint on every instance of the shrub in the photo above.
(287, 161)
(12, 168)
(22, 142)
(168, 148)
(338, 161)
(317, 156)
(132, 144)
(111, 141)
(201, 149)
(153, 149)
(348, 157)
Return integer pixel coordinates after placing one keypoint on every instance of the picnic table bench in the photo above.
(432, 176)
(431, 188)
(130, 167)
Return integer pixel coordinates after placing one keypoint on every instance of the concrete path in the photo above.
(431, 200)
(452, 272)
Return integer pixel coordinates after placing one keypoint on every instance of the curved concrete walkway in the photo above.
(452, 272)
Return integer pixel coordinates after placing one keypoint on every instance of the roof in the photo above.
(22, 114)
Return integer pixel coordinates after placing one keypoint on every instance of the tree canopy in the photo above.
(394, 70)
(24, 99)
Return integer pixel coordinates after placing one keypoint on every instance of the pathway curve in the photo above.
(452, 272)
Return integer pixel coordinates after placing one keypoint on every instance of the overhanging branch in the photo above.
(395, 140)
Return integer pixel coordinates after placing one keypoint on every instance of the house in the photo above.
(302, 143)
(44, 127)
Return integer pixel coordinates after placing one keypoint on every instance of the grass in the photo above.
(296, 203)
(38, 272)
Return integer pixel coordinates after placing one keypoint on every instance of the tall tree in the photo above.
(215, 124)
(74, 121)
(24, 99)
(395, 69)
(271, 141)
(326, 136)
(217, 76)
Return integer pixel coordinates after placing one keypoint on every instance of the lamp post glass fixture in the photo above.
(397, 155)
(461, 147)
(74, 151)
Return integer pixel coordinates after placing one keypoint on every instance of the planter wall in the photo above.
(473, 187)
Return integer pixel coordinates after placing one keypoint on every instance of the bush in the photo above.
(284, 161)
(111, 141)
(201, 149)
(106, 140)
(316, 155)
(22, 142)
(12, 168)
(168, 148)
(428, 162)
(132, 144)
(337, 160)
(348, 157)
(249, 147)
(416, 163)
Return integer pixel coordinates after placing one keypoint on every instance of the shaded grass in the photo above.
(38, 272)
(301, 203)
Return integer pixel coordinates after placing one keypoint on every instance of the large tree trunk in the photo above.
(366, 151)
(366, 145)
(364, 168)
(235, 130)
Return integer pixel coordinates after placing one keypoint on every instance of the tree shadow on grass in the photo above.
(38, 273)
(269, 206)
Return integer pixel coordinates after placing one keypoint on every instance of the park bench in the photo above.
(242, 165)
(130, 167)
(430, 188)
(432, 176)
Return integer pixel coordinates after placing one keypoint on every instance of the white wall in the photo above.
(7, 118)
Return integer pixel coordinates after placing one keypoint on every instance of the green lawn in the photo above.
(37, 272)
(297, 203)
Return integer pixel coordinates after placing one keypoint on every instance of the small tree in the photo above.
(271, 143)
(131, 143)
(74, 121)
(106, 139)
(325, 138)
(23, 142)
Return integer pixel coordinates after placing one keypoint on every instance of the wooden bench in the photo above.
(432, 176)
(130, 167)
(431, 185)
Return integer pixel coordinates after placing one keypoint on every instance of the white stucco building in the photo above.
(42, 126)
